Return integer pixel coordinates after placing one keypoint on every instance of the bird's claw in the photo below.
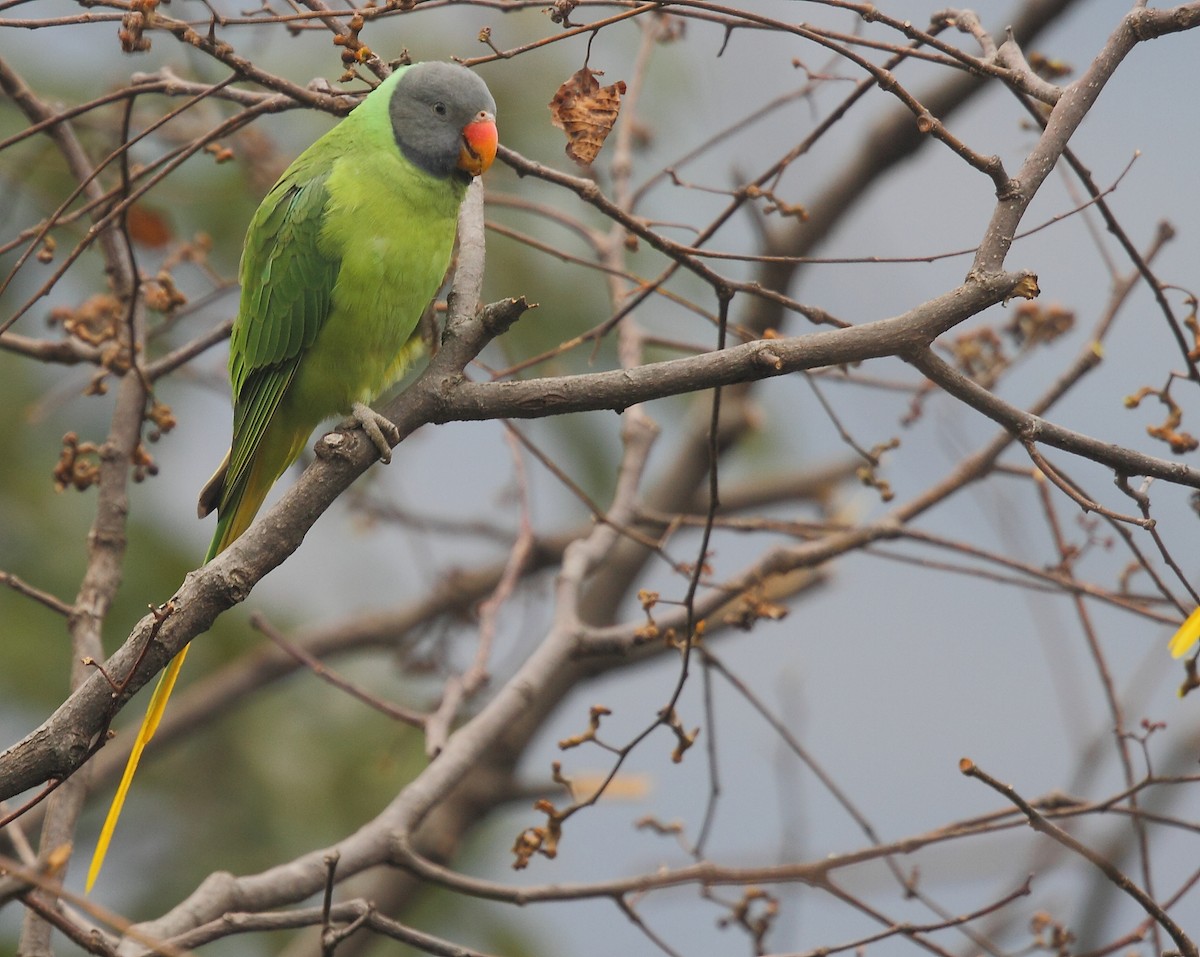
(380, 429)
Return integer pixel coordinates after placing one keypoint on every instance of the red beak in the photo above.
(479, 141)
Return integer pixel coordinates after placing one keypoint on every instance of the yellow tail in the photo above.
(237, 507)
(230, 525)
(154, 713)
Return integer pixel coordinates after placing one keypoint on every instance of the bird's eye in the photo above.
(439, 108)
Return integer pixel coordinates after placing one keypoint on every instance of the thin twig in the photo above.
(396, 712)
(1040, 823)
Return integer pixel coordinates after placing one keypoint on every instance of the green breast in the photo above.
(392, 229)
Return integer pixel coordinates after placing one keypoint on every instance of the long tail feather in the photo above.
(237, 512)
(154, 713)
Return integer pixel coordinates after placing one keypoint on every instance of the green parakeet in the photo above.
(340, 260)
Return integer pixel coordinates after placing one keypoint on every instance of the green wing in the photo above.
(287, 283)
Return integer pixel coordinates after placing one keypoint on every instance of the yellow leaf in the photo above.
(1187, 635)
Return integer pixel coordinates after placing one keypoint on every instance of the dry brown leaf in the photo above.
(586, 112)
(148, 226)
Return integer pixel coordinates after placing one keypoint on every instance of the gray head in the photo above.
(444, 119)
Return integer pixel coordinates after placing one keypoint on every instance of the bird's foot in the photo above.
(380, 429)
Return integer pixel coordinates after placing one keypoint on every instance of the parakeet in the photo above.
(340, 260)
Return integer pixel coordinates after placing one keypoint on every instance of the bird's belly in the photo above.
(368, 339)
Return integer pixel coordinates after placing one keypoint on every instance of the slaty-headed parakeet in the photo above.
(340, 260)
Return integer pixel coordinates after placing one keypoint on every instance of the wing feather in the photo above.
(288, 275)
